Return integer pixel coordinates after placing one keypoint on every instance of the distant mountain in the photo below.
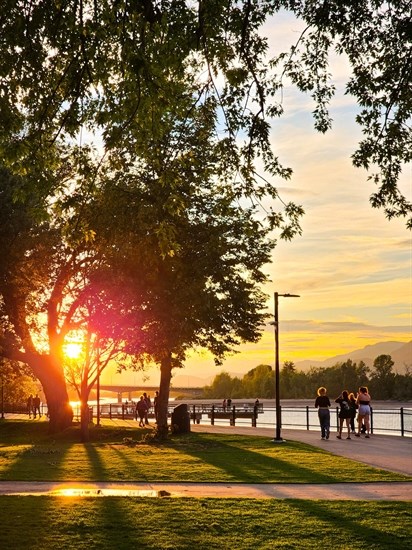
(400, 352)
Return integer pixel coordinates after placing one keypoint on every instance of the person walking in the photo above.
(156, 404)
(364, 410)
(344, 413)
(30, 405)
(322, 403)
(141, 409)
(36, 406)
(149, 404)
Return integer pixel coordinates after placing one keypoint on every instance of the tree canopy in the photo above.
(138, 174)
(83, 66)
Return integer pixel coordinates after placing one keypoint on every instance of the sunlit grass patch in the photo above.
(122, 454)
(122, 523)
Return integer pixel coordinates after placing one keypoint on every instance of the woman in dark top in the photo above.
(344, 413)
(353, 409)
(322, 403)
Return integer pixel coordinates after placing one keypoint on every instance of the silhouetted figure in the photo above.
(156, 404)
(36, 406)
(353, 409)
(141, 409)
(149, 404)
(30, 405)
(363, 401)
(322, 403)
(344, 413)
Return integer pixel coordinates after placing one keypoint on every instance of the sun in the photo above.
(72, 350)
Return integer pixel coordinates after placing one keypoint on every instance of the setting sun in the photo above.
(72, 350)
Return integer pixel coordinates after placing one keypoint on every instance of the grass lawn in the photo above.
(116, 523)
(27, 453)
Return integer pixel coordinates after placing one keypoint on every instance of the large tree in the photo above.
(32, 257)
(156, 85)
(187, 247)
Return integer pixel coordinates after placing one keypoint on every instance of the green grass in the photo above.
(27, 453)
(118, 523)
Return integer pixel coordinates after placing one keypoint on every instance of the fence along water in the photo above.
(389, 420)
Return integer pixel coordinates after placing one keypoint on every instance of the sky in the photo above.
(352, 268)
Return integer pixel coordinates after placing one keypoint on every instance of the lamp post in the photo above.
(98, 384)
(278, 438)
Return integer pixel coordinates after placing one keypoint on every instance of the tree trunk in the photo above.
(84, 422)
(84, 410)
(54, 386)
(164, 391)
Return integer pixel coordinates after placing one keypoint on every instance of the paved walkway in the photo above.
(336, 491)
(387, 452)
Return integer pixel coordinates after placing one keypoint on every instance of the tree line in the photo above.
(259, 382)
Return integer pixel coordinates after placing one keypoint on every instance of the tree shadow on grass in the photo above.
(356, 523)
(29, 453)
(253, 461)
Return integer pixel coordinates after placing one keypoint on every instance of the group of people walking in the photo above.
(143, 407)
(349, 405)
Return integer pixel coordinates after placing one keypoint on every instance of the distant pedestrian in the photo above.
(344, 413)
(30, 405)
(229, 403)
(156, 404)
(36, 406)
(224, 404)
(141, 409)
(364, 410)
(149, 405)
(353, 409)
(322, 403)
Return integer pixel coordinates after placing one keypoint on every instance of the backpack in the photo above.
(345, 409)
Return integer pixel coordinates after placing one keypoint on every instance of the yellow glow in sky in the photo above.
(72, 350)
(351, 267)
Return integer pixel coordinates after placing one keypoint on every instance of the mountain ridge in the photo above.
(400, 352)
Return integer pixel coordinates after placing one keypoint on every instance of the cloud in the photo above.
(322, 327)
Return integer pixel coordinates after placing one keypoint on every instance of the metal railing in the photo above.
(395, 421)
(383, 421)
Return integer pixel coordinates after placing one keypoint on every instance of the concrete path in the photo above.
(337, 491)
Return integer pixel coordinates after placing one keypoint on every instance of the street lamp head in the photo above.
(289, 295)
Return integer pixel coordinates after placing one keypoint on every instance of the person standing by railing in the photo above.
(322, 403)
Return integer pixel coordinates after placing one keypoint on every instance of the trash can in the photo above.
(181, 419)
